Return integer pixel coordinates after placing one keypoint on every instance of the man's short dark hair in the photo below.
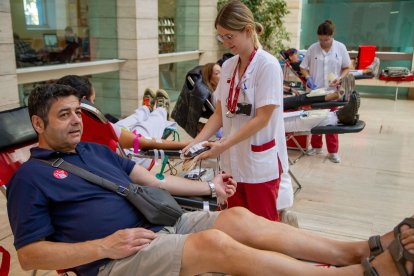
(81, 84)
(42, 97)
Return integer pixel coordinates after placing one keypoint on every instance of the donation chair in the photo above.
(299, 141)
(193, 103)
(96, 126)
(99, 130)
(294, 68)
(16, 139)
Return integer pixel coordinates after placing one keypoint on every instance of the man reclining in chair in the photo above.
(300, 100)
(150, 129)
(303, 121)
(60, 220)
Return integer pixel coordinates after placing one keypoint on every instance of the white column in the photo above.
(9, 96)
(138, 44)
(207, 32)
(293, 22)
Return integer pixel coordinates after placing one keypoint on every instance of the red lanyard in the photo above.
(232, 101)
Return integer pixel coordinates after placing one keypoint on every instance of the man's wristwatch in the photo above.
(212, 189)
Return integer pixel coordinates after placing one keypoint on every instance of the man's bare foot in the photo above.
(378, 244)
(394, 261)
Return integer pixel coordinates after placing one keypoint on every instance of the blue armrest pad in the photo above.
(339, 129)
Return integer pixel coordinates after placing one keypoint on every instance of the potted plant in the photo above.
(270, 14)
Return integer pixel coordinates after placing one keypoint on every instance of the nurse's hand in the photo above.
(187, 148)
(310, 83)
(335, 82)
(216, 148)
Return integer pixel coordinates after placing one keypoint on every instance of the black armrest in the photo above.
(151, 153)
(16, 128)
(339, 129)
(196, 202)
(364, 76)
(283, 55)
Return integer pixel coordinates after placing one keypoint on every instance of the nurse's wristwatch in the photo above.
(212, 189)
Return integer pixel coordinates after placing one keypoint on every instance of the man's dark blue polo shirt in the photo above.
(48, 203)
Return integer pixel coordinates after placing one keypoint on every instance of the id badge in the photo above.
(244, 108)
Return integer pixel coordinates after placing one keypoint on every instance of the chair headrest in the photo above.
(93, 110)
(16, 128)
(283, 55)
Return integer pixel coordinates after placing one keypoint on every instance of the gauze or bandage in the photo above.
(331, 77)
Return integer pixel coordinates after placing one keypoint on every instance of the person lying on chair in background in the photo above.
(150, 125)
(304, 121)
(302, 100)
(371, 70)
(62, 221)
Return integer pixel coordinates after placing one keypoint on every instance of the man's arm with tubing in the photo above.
(263, 115)
(214, 123)
(126, 140)
(181, 186)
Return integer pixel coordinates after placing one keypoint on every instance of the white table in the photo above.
(377, 82)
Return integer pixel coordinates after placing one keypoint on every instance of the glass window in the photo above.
(48, 32)
(362, 22)
(178, 25)
(172, 77)
(388, 24)
(106, 86)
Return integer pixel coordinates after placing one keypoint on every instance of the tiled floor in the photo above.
(369, 192)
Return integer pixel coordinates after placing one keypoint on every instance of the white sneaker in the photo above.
(314, 151)
(334, 158)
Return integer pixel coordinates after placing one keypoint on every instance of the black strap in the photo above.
(91, 177)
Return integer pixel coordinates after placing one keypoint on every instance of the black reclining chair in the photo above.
(16, 137)
(193, 103)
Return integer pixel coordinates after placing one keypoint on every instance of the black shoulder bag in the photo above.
(156, 204)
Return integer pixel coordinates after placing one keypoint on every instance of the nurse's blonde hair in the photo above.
(236, 16)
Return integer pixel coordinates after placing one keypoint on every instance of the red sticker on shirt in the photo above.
(60, 174)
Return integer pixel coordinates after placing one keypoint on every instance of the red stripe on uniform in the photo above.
(264, 147)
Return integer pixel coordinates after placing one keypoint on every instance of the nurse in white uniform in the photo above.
(325, 64)
(249, 107)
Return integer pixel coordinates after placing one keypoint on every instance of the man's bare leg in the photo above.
(215, 251)
(261, 233)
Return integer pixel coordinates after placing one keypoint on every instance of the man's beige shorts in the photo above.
(163, 255)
